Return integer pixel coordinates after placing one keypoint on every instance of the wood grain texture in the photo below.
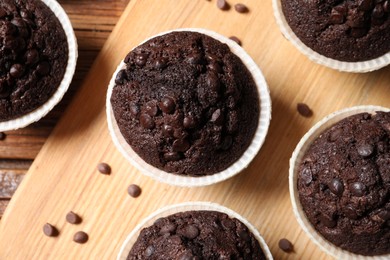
(64, 177)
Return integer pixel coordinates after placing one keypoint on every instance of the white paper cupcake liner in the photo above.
(235, 168)
(295, 161)
(41, 111)
(188, 206)
(358, 67)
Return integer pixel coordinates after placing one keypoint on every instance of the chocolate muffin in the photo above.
(33, 56)
(345, 30)
(344, 184)
(196, 235)
(186, 104)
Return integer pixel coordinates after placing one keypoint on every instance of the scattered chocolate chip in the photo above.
(151, 108)
(134, 190)
(180, 145)
(160, 63)
(384, 214)
(167, 105)
(32, 56)
(104, 168)
(365, 150)
(189, 122)
(168, 228)
(334, 135)
(73, 218)
(235, 39)
(336, 17)
(190, 232)
(350, 212)
(217, 117)
(172, 156)
(43, 68)
(146, 121)
(213, 82)
(241, 8)
(134, 109)
(336, 187)
(286, 245)
(120, 77)
(357, 189)
(149, 251)
(168, 131)
(16, 70)
(2, 136)
(306, 176)
(223, 5)
(304, 110)
(50, 230)
(140, 59)
(80, 237)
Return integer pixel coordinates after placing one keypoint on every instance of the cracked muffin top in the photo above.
(345, 30)
(344, 184)
(33, 56)
(186, 104)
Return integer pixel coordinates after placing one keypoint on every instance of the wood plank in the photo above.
(63, 177)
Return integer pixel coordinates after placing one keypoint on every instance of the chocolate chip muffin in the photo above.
(345, 30)
(33, 56)
(344, 184)
(196, 235)
(186, 104)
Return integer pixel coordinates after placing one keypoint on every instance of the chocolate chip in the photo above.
(50, 230)
(167, 105)
(2, 136)
(306, 176)
(227, 142)
(80, 237)
(73, 218)
(213, 82)
(172, 156)
(134, 109)
(214, 66)
(189, 122)
(223, 5)
(160, 63)
(336, 187)
(190, 232)
(43, 68)
(149, 251)
(146, 121)
(217, 117)
(120, 77)
(327, 221)
(180, 145)
(336, 17)
(244, 235)
(235, 39)
(104, 168)
(140, 59)
(378, 11)
(365, 5)
(335, 134)
(151, 108)
(365, 150)
(304, 110)
(168, 228)
(32, 56)
(285, 245)
(194, 58)
(16, 70)
(357, 189)
(384, 214)
(134, 190)
(241, 8)
(350, 212)
(167, 131)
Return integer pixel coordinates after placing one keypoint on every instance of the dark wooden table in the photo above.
(93, 21)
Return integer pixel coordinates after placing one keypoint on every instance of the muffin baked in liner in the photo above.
(41, 111)
(188, 206)
(236, 167)
(295, 162)
(358, 67)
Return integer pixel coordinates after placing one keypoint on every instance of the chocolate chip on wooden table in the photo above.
(285, 245)
(2, 136)
(73, 218)
(104, 168)
(235, 39)
(223, 5)
(80, 237)
(50, 230)
(304, 110)
(134, 190)
(241, 8)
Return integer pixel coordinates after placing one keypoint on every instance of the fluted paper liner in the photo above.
(295, 161)
(236, 167)
(358, 67)
(41, 111)
(188, 206)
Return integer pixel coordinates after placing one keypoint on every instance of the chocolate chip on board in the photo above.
(304, 110)
(286, 245)
(50, 230)
(134, 190)
(241, 8)
(104, 168)
(80, 237)
(223, 5)
(73, 218)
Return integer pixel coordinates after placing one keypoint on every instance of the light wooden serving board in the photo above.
(64, 177)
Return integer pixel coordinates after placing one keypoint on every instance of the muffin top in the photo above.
(186, 104)
(33, 56)
(196, 235)
(344, 183)
(345, 30)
